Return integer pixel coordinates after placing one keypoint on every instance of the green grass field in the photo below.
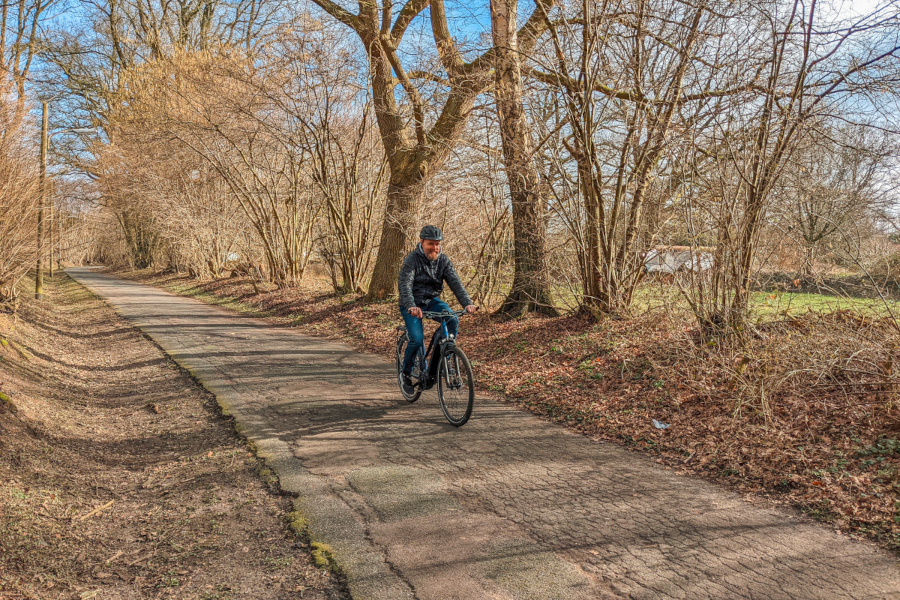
(654, 296)
(794, 304)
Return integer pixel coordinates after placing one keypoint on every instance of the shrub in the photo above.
(19, 197)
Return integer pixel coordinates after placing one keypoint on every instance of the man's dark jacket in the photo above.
(422, 279)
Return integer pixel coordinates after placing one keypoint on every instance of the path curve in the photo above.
(507, 507)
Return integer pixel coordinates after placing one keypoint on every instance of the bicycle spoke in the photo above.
(456, 387)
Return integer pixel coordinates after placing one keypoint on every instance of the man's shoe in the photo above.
(407, 384)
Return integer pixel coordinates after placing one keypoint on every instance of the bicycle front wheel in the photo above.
(456, 386)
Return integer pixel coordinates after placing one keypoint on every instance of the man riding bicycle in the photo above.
(420, 285)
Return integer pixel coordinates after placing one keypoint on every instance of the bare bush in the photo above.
(632, 86)
(851, 367)
(808, 62)
(19, 198)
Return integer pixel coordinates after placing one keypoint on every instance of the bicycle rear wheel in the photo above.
(456, 386)
(401, 352)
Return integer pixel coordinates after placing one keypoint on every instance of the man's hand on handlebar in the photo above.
(417, 312)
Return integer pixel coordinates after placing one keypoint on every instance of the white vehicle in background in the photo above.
(672, 259)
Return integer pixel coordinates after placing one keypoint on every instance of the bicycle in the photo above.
(444, 364)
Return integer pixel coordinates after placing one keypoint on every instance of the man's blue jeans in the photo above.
(416, 333)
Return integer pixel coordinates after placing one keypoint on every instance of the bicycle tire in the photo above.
(401, 351)
(456, 390)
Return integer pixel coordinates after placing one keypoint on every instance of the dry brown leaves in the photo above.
(803, 411)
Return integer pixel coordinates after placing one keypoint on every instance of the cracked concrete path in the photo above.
(506, 507)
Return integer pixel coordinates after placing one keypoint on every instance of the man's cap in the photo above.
(430, 232)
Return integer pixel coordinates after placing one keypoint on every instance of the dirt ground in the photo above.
(119, 477)
(805, 413)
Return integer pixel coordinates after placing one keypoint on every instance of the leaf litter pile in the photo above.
(120, 479)
(804, 412)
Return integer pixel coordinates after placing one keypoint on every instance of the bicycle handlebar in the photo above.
(439, 315)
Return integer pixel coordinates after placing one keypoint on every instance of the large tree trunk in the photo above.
(412, 163)
(595, 292)
(407, 184)
(403, 201)
(531, 288)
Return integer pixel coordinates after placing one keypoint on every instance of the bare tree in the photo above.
(252, 145)
(20, 42)
(287, 130)
(836, 178)
(531, 285)
(629, 84)
(416, 148)
(323, 90)
(93, 57)
(812, 67)
(350, 171)
(488, 246)
(94, 54)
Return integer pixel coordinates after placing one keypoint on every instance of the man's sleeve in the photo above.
(405, 284)
(456, 284)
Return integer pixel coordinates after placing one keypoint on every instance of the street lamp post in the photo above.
(50, 196)
(39, 277)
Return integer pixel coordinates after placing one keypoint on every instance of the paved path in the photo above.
(507, 507)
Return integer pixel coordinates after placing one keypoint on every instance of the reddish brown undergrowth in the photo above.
(803, 412)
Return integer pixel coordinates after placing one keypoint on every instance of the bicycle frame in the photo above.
(443, 337)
